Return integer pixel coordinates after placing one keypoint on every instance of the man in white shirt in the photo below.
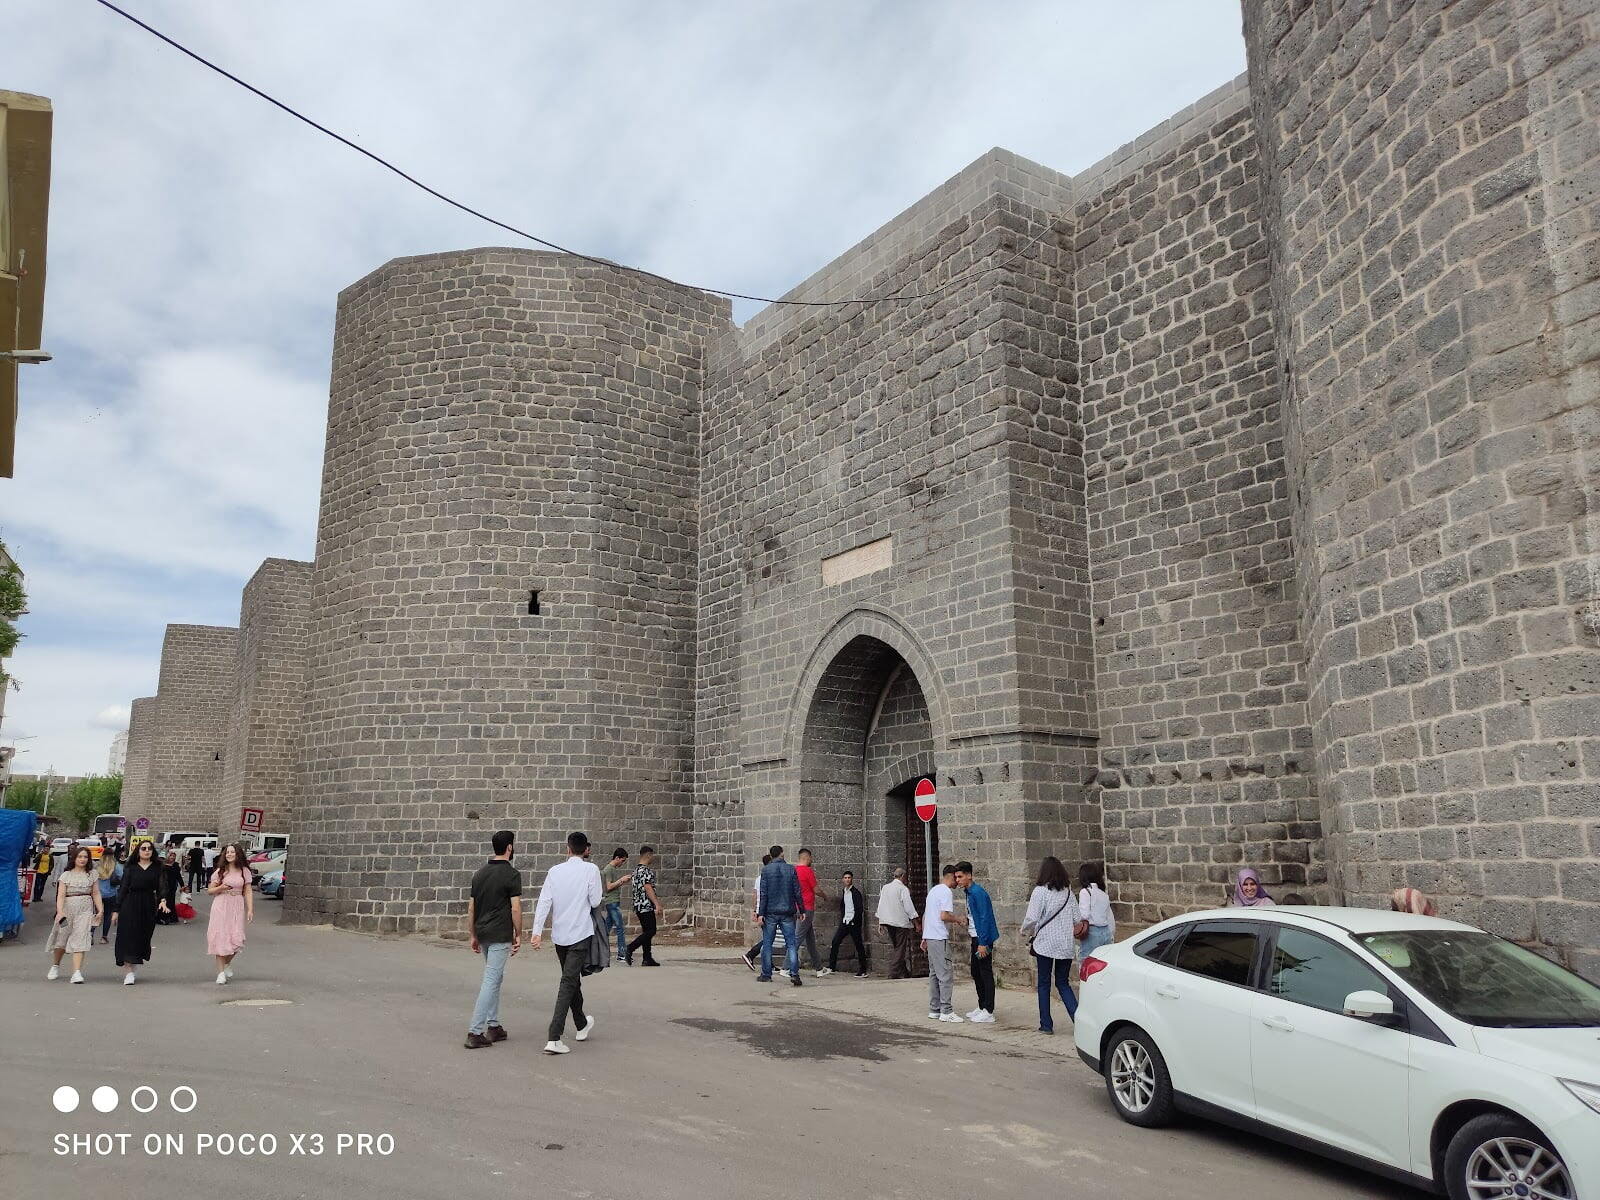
(571, 892)
(898, 916)
(937, 917)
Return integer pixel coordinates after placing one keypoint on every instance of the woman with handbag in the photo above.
(1050, 926)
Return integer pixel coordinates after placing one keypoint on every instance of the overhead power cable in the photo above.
(899, 296)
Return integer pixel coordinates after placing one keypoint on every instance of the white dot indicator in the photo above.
(178, 1091)
(142, 1092)
(104, 1098)
(66, 1098)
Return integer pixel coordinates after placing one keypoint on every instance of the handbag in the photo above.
(1040, 928)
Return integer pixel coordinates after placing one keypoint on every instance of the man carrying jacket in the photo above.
(984, 933)
(852, 906)
(779, 904)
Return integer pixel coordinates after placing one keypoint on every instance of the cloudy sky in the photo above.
(198, 237)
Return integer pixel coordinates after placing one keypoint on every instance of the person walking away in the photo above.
(616, 878)
(232, 908)
(139, 903)
(984, 932)
(494, 923)
(1094, 907)
(645, 907)
(197, 868)
(898, 916)
(852, 916)
(806, 930)
(77, 910)
(171, 880)
(42, 866)
(110, 872)
(777, 907)
(753, 955)
(1248, 891)
(1051, 923)
(938, 914)
(567, 900)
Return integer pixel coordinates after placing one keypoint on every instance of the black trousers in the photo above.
(197, 880)
(853, 932)
(569, 995)
(647, 933)
(983, 977)
(39, 882)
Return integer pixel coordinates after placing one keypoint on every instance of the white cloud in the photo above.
(198, 237)
(55, 717)
(113, 717)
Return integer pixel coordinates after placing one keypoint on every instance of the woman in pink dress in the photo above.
(231, 910)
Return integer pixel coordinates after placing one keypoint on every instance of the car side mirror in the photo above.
(1368, 1006)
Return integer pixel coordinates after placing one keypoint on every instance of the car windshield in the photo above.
(1485, 980)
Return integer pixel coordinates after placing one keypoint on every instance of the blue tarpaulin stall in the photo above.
(17, 827)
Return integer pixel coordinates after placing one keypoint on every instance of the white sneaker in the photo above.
(557, 1048)
(77, 977)
(933, 1016)
(127, 979)
(983, 1018)
(821, 971)
(54, 972)
(975, 1014)
(583, 1034)
(222, 977)
(228, 971)
(952, 1018)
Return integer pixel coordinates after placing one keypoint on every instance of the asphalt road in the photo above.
(697, 1083)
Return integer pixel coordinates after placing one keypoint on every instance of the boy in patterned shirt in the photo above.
(645, 906)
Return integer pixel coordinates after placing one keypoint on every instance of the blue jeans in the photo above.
(487, 1010)
(614, 921)
(769, 930)
(1098, 935)
(1060, 969)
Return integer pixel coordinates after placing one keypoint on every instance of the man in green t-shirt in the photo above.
(615, 877)
(494, 920)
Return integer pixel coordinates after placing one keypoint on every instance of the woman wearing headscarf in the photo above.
(1248, 891)
(1410, 900)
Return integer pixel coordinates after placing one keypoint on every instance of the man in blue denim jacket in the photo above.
(779, 904)
(985, 933)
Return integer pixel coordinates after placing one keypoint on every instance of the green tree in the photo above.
(26, 793)
(13, 603)
(87, 799)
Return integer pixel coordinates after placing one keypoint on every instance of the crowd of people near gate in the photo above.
(121, 897)
(1066, 919)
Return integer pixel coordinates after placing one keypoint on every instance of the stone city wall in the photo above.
(135, 799)
(194, 701)
(1434, 179)
(260, 765)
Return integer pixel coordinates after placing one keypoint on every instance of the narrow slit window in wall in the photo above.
(533, 603)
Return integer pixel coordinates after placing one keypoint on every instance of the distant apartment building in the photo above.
(118, 758)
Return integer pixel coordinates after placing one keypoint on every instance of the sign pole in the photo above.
(927, 853)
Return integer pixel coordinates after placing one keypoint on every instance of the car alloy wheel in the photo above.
(1517, 1167)
(1133, 1076)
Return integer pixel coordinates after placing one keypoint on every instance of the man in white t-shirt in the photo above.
(937, 917)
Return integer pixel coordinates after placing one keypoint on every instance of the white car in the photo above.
(1425, 1050)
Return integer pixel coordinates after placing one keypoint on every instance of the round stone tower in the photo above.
(1433, 167)
(502, 629)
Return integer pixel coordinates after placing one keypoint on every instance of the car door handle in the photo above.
(1279, 1023)
(1171, 993)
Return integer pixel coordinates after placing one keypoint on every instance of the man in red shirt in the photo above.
(806, 931)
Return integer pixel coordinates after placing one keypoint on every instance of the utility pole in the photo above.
(49, 778)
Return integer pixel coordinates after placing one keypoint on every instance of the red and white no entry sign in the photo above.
(926, 803)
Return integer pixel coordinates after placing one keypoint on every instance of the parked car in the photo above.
(272, 885)
(266, 856)
(265, 871)
(1422, 1049)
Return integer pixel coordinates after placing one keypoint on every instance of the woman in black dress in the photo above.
(139, 901)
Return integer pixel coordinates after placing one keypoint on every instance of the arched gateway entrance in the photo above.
(867, 738)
